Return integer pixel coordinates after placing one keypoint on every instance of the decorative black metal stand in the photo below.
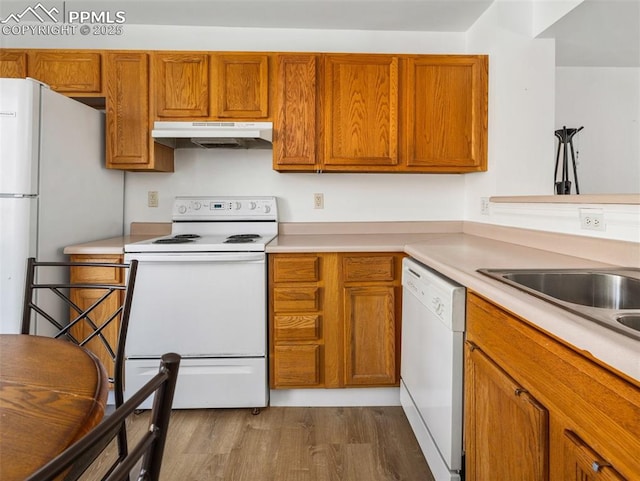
(565, 136)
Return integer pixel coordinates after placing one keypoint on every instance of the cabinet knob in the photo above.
(596, 466)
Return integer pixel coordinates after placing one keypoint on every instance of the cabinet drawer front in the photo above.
(96, 275)
(369, 268)
(296, 299)
(583, 463)
(297, 365)
(297, 327)
(296, 269)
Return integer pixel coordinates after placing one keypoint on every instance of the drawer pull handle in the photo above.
(519, 391)
(596, 466)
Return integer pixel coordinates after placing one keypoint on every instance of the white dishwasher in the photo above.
(433, 321)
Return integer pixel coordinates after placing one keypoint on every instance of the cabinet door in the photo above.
(445, 123)
(68, 72)
(583, 464)
(13, 64)
(181, 84)
(506, 429)
(370, 336)
(84, 298)
(294, 143)
(360, 111)
(242, 86)
(127, 109)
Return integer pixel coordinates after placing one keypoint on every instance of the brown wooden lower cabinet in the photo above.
(537, 409)
(84, 298)
(334, 319)
(508, 434)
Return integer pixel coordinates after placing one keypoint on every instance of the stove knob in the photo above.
(267, 209)
(197, 205)
(182, 209)
(253, 206)
(238, 205)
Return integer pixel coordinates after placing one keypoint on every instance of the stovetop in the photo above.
(216, 224)
(203, 243)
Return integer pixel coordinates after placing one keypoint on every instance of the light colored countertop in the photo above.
(114, 245)
(457, 250)
(457, 256)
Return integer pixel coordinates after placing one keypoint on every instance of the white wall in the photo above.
(347, 197)
(521, 106)
(521, 123)
(606, 101)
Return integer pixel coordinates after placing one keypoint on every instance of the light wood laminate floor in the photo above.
(289, 444)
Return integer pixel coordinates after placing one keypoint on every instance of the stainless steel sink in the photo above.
(610, 297)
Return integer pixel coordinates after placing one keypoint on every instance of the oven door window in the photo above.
(198, 305)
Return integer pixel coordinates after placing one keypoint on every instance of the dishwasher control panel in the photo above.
(441, 296)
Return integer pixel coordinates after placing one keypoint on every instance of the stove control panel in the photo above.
(218, 208)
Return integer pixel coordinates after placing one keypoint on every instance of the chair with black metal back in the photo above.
(75, 460)
(92, 315)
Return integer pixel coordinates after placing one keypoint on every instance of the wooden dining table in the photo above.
(52, 392)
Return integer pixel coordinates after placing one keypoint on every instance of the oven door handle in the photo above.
(246, 257)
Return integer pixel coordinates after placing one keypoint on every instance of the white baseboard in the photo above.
(384, 396)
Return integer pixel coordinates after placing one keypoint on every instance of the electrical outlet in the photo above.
(484, 205)
(318, 201)
(592, 219)
(152, 198)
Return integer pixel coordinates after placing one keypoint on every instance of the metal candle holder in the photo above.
(565, 136)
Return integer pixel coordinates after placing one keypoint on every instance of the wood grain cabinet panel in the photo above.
(369, 268)
(84, 298)
(296, 320)
(445, 122)
(68, 72)
(242, 86)
(297, 327)
(297, 365)
(507, 429)
(360, 110)
(129, 145)
(181, 84)
(295, 134)
(593, 413)
(287, 299)
(583, 464)
(13, 63)
(296, 269)
(345, 305)
(370, 336)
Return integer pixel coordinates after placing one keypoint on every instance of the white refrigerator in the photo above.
(54, 187)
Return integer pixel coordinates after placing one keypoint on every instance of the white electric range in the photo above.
(202, 292)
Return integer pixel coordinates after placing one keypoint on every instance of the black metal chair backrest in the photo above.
(49, 299)
(150, 447)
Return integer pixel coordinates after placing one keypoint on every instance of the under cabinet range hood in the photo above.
(210, 135)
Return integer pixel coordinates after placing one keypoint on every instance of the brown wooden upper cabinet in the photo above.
(13, 63)
(381, 113)
(241, 86)
(180, 84)
(75, 73)
(445, 113)
(360, 110)
(294, 135)
(129, 145)
(201, 85)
